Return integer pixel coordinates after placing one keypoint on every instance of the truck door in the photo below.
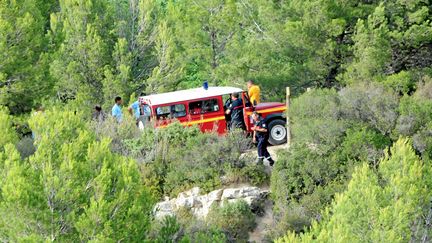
(247, 112)
(208, 114)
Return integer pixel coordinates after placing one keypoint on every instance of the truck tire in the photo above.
(277, 132)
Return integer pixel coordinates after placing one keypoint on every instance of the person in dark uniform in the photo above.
(235, 109)
(261, 137)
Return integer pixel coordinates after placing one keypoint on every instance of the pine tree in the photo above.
(73, 188)
(22, 42)
(20, 218)
(372, 48)
(79, 63)
(377, 206)
(168, 69)
(8, 133)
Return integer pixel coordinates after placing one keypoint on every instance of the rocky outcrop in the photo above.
(200, 205)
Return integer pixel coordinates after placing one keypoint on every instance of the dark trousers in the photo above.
(262, 147)
(237, 125)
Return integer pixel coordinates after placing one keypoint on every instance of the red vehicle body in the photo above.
(206, 109)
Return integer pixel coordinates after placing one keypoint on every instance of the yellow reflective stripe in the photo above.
(188, 123)
(205, 120)
(269, 110)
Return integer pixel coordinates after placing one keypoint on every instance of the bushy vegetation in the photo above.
(176, 158)
(8, 133)
(235, 218)
(73, 188)
(228, 222)
(93, 51)
(186, 228)
(82, 184)
(334, 132)
(368, 63)
(391, 203)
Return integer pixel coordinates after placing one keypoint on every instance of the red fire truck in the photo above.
(206, 109)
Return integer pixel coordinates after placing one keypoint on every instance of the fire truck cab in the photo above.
(206, 109)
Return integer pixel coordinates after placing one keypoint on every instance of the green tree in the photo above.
(8, 133)
(371, 47)
(78, 65)
(204, 32)
(74, 187)
(235, 218)
(23, 79)
(20, 218)
(397, 193)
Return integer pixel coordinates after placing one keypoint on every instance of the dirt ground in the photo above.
(264, 222)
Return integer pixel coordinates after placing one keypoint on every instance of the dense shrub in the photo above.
(371, 104)
(7, 131)
(422, 141)
(25, 147)
(414, 114)
(255, 174)
(118, 133)
(234, 218)
(332, 132)
(74, 187)
(362, 144)
(383, 204)
(177, 158)
(185, 228)
(416, 118)
(165, 230)
(315, 120)
(401, 82)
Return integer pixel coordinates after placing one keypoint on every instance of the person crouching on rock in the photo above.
(261, 136)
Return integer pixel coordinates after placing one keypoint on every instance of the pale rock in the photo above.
(200, 205)
(251, 200)
(251, 192)
(192, 192)
(195, 191)
(231, 193)
(164, 206)
(215, 195)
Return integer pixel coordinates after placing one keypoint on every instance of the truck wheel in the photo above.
(277, 132)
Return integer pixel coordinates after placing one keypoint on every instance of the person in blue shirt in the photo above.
(116, 111)
(135, 109)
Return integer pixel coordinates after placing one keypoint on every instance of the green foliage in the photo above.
(390, 43)
(168, 230)
(255, 174)
(8, 133)
(315, 120)
(332, 132)
(416, 118)
(81, 180)
(23, 61)
(73, 186)
(19, 199)
(206, 237)
(402, 82)
(185, 228)
(235, 218)
(372, 48)
(363, 144)
(372, 104)
(396, 192)
(174, 159)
